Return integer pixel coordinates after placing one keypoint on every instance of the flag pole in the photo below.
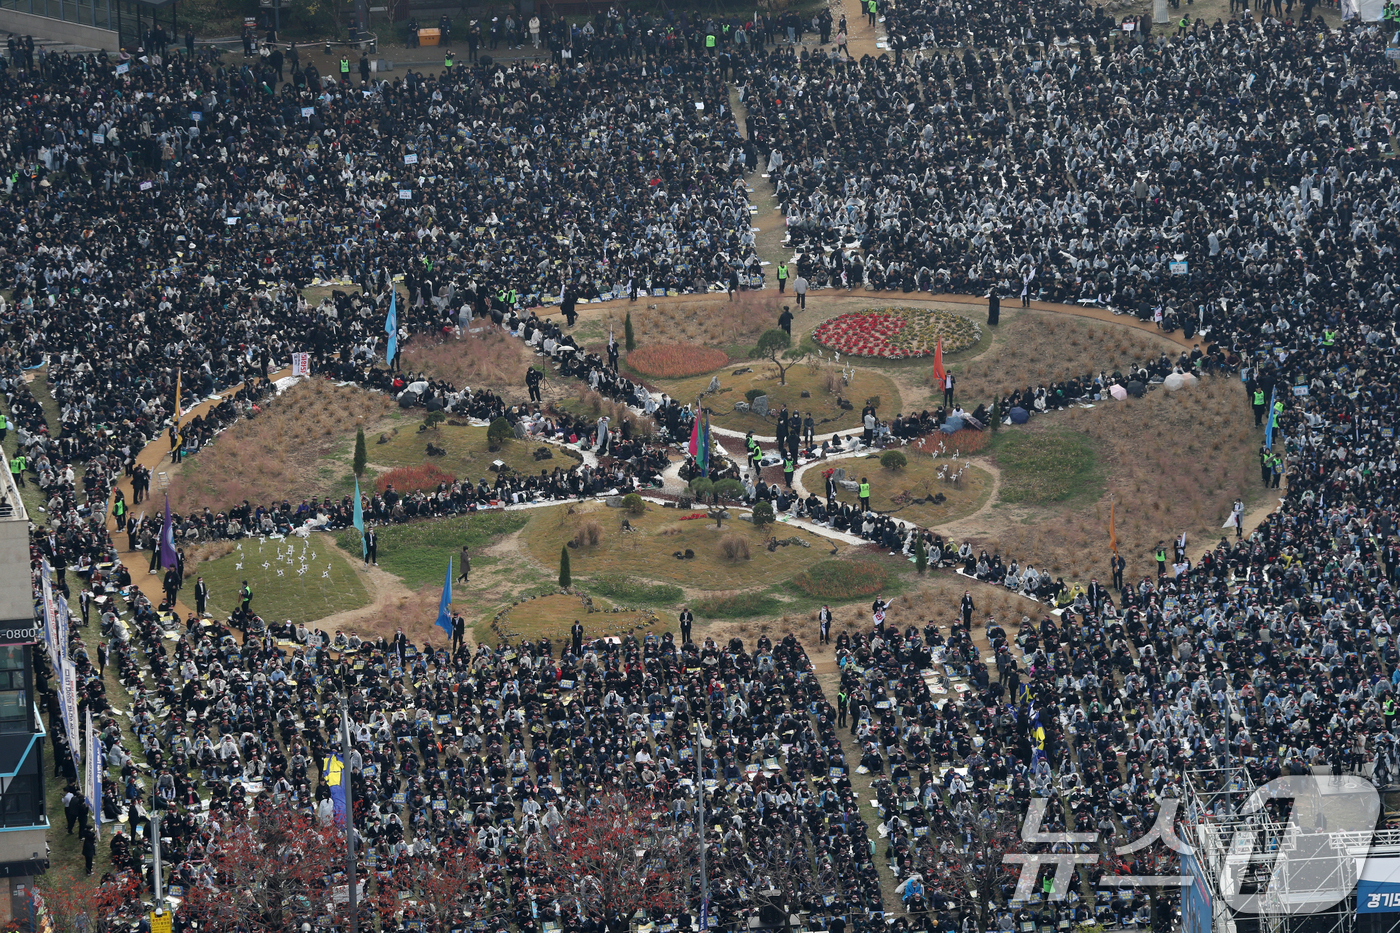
(347, 780)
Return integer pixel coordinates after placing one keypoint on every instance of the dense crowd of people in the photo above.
(1225, 180)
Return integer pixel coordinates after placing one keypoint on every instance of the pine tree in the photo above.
(565, 580)
(629, 338)
(920, 556)
(361, 455)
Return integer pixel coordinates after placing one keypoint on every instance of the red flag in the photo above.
(695, 435)
(939, 372)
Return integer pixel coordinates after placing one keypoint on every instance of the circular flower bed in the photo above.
(897, 333)
(675, 360)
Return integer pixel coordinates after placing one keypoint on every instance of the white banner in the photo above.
(301, 364)
(69, 687)
(92, 783)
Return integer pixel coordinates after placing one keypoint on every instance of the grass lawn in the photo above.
(467, 456)
(1044, 467)
(894, 491)
(417, 552)
(867, 383)
(647, 553)
(280, 591)
(553, 616)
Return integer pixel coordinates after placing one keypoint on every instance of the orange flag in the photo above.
(1112, 532)
(939, 372)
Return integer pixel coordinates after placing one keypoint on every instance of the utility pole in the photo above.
(155, 860)
(700, 796)
(347, 781)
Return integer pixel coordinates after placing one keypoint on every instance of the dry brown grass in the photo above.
(733, 547)
(1038, 347)
(589, 534)
(281, 452)
(490, 359)
(713, 322)
(1171, 462)
(588, 402)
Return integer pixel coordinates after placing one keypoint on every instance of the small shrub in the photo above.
(433, 419)
(920, 556)
(763, 513)
(361, 454)
(752, 394)
(675, 360)
(566, 579)
(499, 432)
(728, 488)
(589, 534)
(424, 477)
(893, 460)
(629, 336)
(734, 547)
(702, 486)
(634, 504)
(842, 579)
(736, 606)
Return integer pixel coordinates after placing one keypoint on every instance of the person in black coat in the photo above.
(993, 308)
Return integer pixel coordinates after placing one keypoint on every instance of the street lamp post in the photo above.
(347, 782)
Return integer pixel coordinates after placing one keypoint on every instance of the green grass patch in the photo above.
(417, 553)
(738, 606)
(841, 579)
(280, 589)
(630, 592)
(1045, 467)
(911, 494)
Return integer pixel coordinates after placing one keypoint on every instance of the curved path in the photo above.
(157, 451)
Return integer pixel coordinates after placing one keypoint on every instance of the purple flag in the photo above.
(168, 557)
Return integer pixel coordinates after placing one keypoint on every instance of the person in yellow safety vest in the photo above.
(710, 41)
(448, 60)
(1329, 337)
(17, 467)
(4, 427)
(345, 69)
(1161, 557)
(1258, 403)
(872, 10)
(1184, 25)
(782, 277)
(1278, 411)
(864, 494)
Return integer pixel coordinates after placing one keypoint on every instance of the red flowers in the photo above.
(896, 333)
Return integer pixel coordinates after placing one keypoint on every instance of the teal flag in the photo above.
(391, 323)
(360, 521)
(444, 619)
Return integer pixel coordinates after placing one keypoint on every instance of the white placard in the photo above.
(147, 185)
(99, 139)
(405, 194)
(307, 112)
(301, 364)
(230, 220)
(123, 68)
(411, 159)
(196, 116)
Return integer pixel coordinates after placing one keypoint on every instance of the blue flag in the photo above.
(168, 557)
(391, 323)
(444, 619)
(1269, 424)
(359, 521)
